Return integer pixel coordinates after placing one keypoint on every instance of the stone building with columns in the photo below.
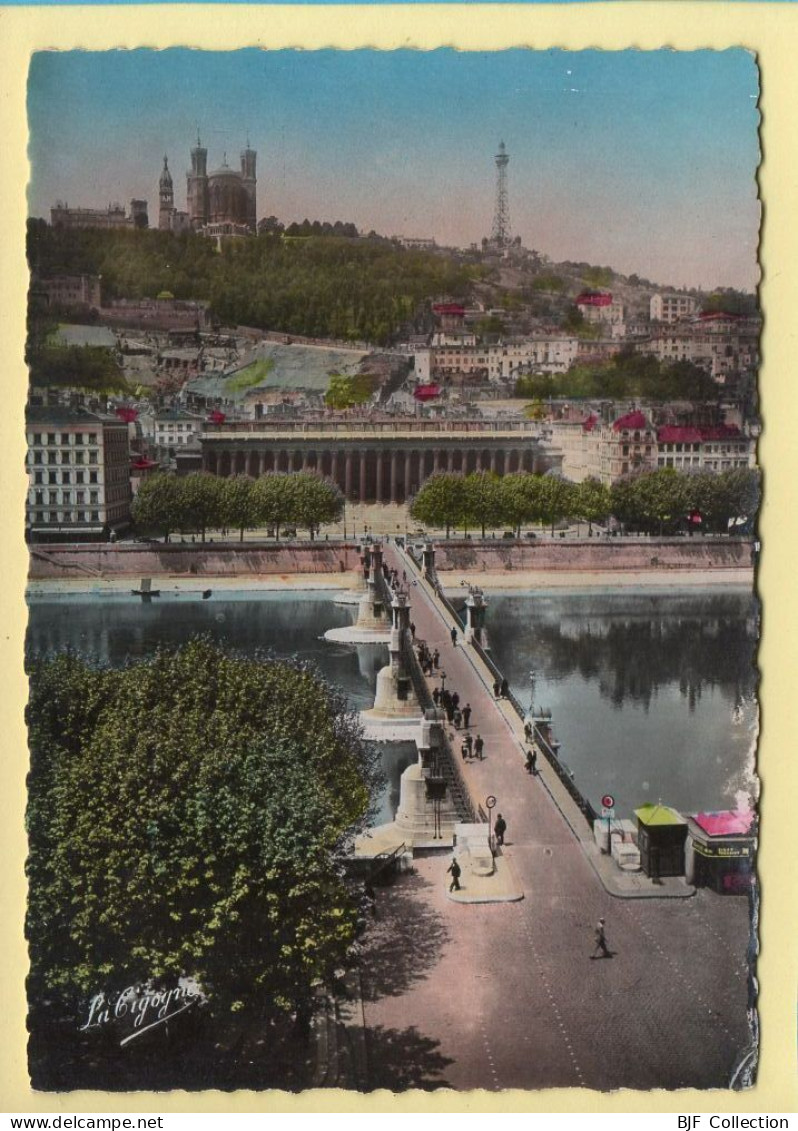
(374, 460)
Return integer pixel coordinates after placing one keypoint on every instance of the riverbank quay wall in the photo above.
(79, 560)
(593, 555)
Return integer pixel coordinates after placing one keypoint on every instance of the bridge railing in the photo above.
(585, 807)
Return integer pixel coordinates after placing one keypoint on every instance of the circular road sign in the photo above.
(608, 801)
(490, 801)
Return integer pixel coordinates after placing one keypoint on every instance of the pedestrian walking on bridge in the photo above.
(500, 828)
(531, 762)
(436, 695)
(454, 868)
(454, 637)
(479, 746)
(436, 659)
(601, 949)
(467, 716)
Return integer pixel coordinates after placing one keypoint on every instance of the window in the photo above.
(66, 476)
(78, 438)
(64, 437)
(92, 457)
(92, 437)
(92, 477)
(94, 496)
(52, 477)
(80, 476)
(51, 457)
(66, 457)
(95, 515)
(37, 437)
(80, 496)
(37, 457)
(67, 497)
(51, 437)
(79, 457)
(40, 498)
(52, 498)
(39, 477)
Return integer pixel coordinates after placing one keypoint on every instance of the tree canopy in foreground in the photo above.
(186, 816)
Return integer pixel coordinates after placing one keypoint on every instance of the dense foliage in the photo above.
(661, 501)
(91, 368)
(319, 286)
(626, 376)
(185, 817)
(348, 391)
(201, 502)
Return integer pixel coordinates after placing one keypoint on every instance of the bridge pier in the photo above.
(475, 606)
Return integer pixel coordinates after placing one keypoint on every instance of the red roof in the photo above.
(590, 422)
(448, 308)
(217, 417)
(124, 412)
(726, 823)
(718, 316)
(143, 464)
(631, 420)
(594, 298)
(678, 434)
(427, 392)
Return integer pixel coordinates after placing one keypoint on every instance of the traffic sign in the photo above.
(607, 811)
(608, 801)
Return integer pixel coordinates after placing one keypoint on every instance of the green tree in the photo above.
(201, 497)
(238, 503)
(273, 500)
(314, 501)
(186, 816)
(522, 499)
(483, 500)
(592, 502)
(557, 499)
(158, 504)
(440, 502)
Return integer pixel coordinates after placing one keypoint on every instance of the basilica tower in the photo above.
(249, 181)
(166, 195)
(198, 187)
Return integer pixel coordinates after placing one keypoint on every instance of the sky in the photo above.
(642, 161)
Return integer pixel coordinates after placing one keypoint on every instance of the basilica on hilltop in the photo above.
(220, 203)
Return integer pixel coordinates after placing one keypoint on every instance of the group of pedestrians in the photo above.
(473, 748)
(501, 688)
(430, 661)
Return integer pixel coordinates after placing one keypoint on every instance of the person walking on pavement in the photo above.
(467, 716)
(531, 762)
(500, 828)
(412, 630)
(469, 744)
(464, 751)
(479, 746)
(504, 689)
(436, 659)
(455, 700)
(436, 696)
(601, 942)
(454, 868)
(454, 637)
(458, 718)
(497, 688)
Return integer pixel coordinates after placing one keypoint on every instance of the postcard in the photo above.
(393, 445)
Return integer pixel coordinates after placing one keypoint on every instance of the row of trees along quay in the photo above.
(200, 502)
(186, 817)
(661, 501)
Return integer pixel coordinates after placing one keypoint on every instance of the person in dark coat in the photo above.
(454, 636)
(500, 828)
(479, 746)
(412, 630)
(454, 868)
(436, 659)
(497, 689)
(531, 761)
(464, 749)
(457, 718)
(467, 716)
(504, 689)
(436, 696)
(469, 741)
(601, 949)
(528, 731)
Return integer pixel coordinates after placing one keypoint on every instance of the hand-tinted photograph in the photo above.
(391, 516)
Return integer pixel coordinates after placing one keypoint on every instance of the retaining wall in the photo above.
(595, 555)
(220, 560)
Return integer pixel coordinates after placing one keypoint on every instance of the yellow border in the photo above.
(770, 30)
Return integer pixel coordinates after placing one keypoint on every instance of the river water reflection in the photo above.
(653, 694)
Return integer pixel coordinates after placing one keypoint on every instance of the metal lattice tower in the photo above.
(501, 217)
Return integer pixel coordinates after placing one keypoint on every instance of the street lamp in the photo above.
(490, 805)
(443, 680)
